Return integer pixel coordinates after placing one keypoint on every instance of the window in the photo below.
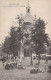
(28, 10)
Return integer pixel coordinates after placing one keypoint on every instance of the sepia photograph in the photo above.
(25, 39)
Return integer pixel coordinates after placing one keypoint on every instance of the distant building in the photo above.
(27, 22)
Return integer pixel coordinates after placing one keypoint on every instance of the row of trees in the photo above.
(12, 42)
(39, 38)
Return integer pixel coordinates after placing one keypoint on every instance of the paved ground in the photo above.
(16, 74)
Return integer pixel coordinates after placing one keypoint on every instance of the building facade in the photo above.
(26, 23)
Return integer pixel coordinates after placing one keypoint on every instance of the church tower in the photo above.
(28, 17)
(28, 9)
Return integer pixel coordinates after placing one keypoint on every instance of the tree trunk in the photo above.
(19, 54)
(31, 59)
(38, 59)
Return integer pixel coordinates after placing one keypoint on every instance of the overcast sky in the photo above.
(10, 8)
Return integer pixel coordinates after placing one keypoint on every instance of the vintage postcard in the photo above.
(25, 39)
